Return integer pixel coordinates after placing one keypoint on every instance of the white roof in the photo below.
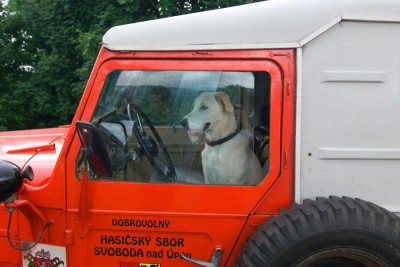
(270, 24)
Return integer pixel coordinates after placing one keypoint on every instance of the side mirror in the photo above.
(11, 178)
(93, 148)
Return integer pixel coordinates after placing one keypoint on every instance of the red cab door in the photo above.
(137, 218)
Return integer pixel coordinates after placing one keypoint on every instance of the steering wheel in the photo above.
(148, 146)
(261, 139)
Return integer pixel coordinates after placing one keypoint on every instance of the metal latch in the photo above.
(215, 259)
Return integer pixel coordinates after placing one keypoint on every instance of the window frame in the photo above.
(143, 190)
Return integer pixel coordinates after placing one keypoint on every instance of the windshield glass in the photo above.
(163, 119)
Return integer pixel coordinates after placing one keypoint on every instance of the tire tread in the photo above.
(313, 217)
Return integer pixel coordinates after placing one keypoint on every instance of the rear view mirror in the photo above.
(94, 149)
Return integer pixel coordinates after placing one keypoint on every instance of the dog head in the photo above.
(212, 114)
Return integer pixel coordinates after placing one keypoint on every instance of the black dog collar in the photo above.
(222, 140)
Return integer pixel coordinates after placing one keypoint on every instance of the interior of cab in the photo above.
(142, 112)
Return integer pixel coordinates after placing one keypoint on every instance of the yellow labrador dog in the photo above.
(227, 157)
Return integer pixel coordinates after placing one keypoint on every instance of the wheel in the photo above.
(149, 146)
(339, 232)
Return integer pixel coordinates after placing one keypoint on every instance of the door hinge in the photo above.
(285, 159)
(69, 236)
(288, 94)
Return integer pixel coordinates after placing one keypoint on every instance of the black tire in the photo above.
(339, 232)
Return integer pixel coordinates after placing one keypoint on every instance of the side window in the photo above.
(192, 127)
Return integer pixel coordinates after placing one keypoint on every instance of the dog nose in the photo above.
(184, 123)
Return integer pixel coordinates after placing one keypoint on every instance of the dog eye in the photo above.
(203, 107)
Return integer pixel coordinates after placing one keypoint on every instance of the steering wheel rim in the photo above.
(262, 143)
(141, 135)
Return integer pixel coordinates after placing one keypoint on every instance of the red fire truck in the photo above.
(312, 90)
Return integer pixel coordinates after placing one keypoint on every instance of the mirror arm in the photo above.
(86, 151)
(36, 217)
(84, 204)
(84, 201)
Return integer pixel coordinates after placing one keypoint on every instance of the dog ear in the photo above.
(223, 98)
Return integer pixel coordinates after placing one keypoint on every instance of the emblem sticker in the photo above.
(45, 256)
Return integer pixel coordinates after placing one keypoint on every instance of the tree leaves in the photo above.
(48, 48)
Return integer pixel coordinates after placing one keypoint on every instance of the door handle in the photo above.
(215, 259)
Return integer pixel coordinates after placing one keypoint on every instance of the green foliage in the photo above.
(13, 59)
(48, 48)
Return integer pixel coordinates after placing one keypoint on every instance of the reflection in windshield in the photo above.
(166, 97)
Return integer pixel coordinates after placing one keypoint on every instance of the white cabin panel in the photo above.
(350, 108)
